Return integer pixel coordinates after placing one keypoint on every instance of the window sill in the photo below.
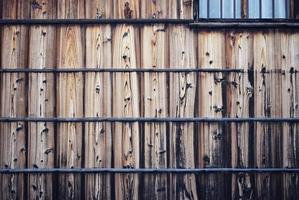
(245, 24)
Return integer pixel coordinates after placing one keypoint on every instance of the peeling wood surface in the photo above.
(154, 55)
(182, 88)
(13, 99)
(126, 99)
(212, 138)
(239, 54)
(98, 136)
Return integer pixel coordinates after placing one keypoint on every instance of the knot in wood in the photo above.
(218, 79)
(127, 11)
(218, 109)
(249, 91)
(217, 135)
(206, 160)
(98, 14)
(35, 5)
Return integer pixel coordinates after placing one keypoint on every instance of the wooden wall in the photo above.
(145, 145)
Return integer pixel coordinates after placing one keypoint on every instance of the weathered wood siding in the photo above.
(14, 54)
(271, 89)
(41, 101)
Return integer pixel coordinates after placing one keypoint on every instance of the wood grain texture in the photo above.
(69, 104)
(182, 86)
(181, 9)
(289, 60)
(70, 9)
(14, 40)
(98, 103)
(69, 94)
(98, 9)
(267, 103)
(126, 9)
(154, 9)
(41, 100)
(212, 138)
(239, 55)
(154, 54)
(126, 99)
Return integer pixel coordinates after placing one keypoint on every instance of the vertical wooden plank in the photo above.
(98, 101)
(181, 9)
(182, 86)
(290, 98)
(126, 104)
(13, 99)
(98, 136)
(212, 139)
(41, 100)
(98, 9)
(154, 9)
(126, 9)
(70, 54)
(267, 103)
(239, 55)
(154, 55)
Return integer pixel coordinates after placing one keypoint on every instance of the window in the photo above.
(234, 9)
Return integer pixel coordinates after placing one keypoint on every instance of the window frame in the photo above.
(292, 11)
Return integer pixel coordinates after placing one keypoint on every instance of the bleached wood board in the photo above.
(126, 99)
(14, 41)
(182, 95)
(154, 52)
(98, 103)
(41, 100)
(239, 55)
(212, 140)
(267, 103)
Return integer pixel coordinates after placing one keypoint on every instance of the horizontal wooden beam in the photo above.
(147, 170)
(200, 23)
(141, 70)
(148, 119)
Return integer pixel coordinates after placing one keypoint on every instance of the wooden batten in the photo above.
(126, 99)
(239, 55)
(154, 54)
(13, 95)
(267, 103)
(182, 88)
(41, 100)
(70, 54)
(290, 98)
(212, 140)
(98, 103)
